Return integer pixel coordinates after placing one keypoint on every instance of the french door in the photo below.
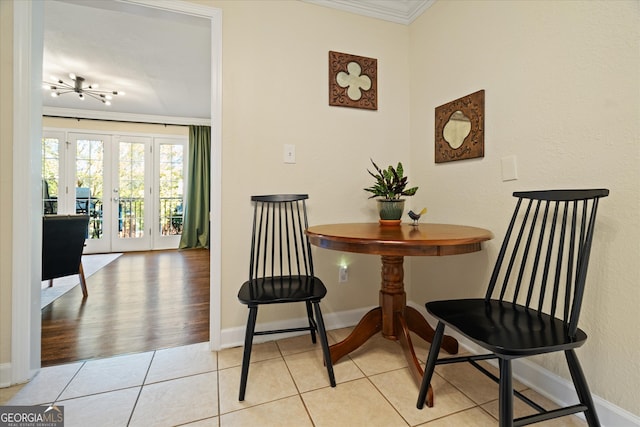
(130, 197)
(88, 185)
(170, 164)
(112, 179)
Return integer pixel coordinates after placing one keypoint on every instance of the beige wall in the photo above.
(275, 77)
(562, 82)
(6, 173)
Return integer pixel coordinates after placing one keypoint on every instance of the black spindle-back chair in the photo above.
(532, 304)
(281, 271)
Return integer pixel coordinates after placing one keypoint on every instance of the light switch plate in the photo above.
(509, 168)
(289, 153)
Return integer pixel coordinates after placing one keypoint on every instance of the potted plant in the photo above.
(389, 187)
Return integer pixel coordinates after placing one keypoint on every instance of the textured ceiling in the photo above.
(161, 60)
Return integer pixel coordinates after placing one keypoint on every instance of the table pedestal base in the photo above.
(394, 319)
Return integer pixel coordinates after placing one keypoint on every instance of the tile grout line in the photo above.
(144, 380)
(385, 397)
(280, 349)
(57, 399)
(476, 404)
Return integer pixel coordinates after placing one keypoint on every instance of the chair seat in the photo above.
(281, 289)
(506, 329)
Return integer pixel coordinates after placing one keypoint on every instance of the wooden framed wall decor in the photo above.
(459, 129)
(353, 81)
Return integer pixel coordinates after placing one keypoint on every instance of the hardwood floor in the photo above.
(141, 301)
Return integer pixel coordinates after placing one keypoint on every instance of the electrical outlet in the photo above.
(343, 274)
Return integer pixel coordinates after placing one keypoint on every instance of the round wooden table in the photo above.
(393, 317)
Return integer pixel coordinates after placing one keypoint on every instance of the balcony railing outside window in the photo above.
(131, 217)
(170, 216)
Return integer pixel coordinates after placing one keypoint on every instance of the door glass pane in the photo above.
(50, 174)
(131, 190)
(89, 180)
(171, 188)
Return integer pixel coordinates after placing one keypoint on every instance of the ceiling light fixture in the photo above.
(60, 87)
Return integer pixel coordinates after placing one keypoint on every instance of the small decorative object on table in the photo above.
(390, 185)
(415, 217)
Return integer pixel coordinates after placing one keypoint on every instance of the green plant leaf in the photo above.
(390, 183)
(410, 192)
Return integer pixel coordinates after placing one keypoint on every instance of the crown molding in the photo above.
(174, 6)
(401, 12)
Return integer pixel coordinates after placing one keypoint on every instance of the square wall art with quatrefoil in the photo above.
(353, 81)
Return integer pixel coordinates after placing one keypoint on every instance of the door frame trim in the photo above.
(27, 126)
(26, 262)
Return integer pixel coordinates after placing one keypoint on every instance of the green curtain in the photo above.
(195, 230)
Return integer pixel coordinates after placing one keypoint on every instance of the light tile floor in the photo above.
(287, 386)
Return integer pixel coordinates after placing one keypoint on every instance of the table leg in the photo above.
(382, 318)
(410, 354)
(368, 326)
(393, 299)
(418, 324)
(395, 320)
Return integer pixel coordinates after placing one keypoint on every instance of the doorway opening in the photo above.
(25, 321)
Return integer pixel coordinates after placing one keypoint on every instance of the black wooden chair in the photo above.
(281, 271)
(63, 238)
(533, 300)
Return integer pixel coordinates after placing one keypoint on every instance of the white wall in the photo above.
(562, 82)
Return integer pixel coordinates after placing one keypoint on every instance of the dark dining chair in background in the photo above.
(63, 238)
(281, 271)
(532, 304)
(49, 203)
(83, 200)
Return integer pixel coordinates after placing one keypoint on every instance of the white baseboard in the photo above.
(548, 384)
